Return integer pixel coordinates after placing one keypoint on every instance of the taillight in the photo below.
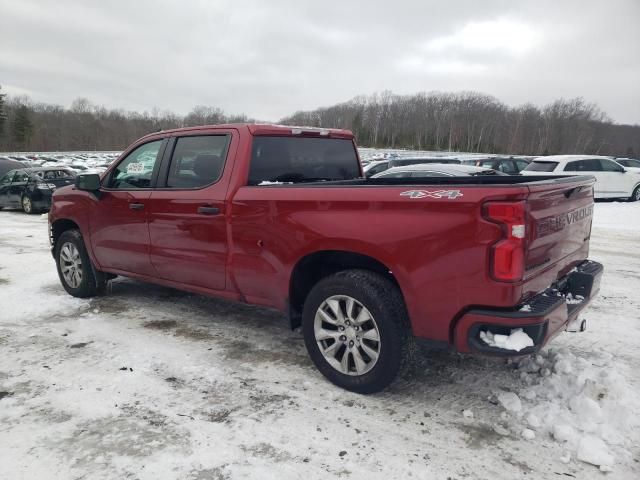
(508, 254)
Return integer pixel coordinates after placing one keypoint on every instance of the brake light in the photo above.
(508, 254)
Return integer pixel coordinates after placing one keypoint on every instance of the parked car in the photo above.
(379, 166)
(436, 170)
(31, 188)
(629, 164)
(7, 164)
(612, 179)
(508, 165)
(281, 217)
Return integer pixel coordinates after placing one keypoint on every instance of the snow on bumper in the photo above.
(541, 318)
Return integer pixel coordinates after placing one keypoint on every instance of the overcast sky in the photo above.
(269, 58)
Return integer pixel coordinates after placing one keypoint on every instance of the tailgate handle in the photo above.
(569, 193)
(136, 206)
(208, 210)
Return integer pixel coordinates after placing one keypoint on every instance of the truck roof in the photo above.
(267, 129)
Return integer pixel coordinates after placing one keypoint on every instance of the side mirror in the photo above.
(89, 182)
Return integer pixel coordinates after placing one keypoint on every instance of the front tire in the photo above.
(27, 204)
(77, 274)
(356, 330)
(635, 196)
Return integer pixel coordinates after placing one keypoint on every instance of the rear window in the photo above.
(541, 166)
(302, 159)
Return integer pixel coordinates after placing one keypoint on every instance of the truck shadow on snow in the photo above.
(247, 333)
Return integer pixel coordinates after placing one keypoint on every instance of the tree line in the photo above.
(473, 122)
(466, 121)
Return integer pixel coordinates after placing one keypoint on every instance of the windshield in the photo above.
(302, 159)
(537, 166)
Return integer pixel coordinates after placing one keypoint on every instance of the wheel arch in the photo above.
(315, 266)
(60, 226)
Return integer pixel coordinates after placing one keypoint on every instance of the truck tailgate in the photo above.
(560, 216)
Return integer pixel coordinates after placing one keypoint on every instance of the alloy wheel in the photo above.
(26, 204)
(71, 265)
(347, 335)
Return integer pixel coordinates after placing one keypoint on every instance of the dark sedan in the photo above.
(31, 188)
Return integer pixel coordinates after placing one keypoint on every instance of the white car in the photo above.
(612, 179)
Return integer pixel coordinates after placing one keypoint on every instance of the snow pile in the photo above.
(585, 405)
(571, 300)
(517, 340)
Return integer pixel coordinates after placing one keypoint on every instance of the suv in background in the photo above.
(612, 179)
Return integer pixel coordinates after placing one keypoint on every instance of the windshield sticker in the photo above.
(450, 194)
(135, 168)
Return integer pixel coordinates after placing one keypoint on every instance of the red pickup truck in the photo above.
(283, 217)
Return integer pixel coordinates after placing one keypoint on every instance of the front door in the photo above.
(617, 182)
(187, 223)
(119, 228)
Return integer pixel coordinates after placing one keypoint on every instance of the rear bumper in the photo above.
(542, 317)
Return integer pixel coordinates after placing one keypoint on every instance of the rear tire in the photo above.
(635, 196)
(77, 274)
(359, 315)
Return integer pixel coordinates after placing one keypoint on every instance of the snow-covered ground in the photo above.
(152, 383)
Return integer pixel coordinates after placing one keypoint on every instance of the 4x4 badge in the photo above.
(450, 194)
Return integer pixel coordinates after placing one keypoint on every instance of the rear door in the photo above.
(187, 210)
(590, 166)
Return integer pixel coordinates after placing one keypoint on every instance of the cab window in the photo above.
(136, 169)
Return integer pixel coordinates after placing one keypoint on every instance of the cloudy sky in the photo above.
(270, 58)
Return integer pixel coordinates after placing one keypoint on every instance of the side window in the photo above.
(506, 166)
(197, 161)
(521, 164)
(609, 166)
(592, 165)
(21, 177)
(7, 178)
(136, 169)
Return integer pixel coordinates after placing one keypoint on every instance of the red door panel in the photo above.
(187, 246)
(119, 231)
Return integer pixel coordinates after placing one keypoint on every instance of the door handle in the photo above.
(208, 210)
(136, 206)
